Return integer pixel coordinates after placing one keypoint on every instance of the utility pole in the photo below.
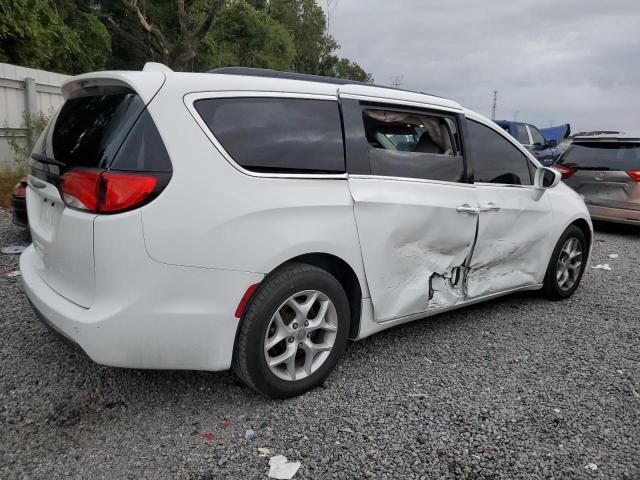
(515, 115)
(495, 104)
(331, 6)
(396, 81)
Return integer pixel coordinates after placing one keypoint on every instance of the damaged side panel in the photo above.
(513, 243)
(415, 245)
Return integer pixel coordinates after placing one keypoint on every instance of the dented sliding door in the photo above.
(415, 237)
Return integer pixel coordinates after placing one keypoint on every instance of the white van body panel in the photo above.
(159, 286)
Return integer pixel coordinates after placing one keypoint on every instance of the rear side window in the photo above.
(277, 135)
(92, 125)
(602, 156)
(143, 149)
(495, 159)
(413, 145)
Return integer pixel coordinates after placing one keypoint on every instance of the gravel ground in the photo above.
(517, 388)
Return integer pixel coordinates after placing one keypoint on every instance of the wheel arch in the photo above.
(583, 225)
(346, 276)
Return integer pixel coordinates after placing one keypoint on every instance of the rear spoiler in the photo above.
(146, 83)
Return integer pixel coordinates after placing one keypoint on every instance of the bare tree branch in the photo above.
(182, 16)
(185, 47)
(216, 6)
(131, 39)
(165, 46)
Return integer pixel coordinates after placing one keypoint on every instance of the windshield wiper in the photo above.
(48, 160)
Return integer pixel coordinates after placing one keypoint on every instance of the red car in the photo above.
(19, 203)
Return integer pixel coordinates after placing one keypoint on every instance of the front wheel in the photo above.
(567, 265)
(293, 332)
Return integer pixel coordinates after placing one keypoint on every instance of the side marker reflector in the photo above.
(245, 299)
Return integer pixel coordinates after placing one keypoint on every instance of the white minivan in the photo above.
(258, 220)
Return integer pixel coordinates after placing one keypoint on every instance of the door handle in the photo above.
(466, 208)
(489, 207)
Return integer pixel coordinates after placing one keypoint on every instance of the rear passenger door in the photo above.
(512, 245)
(415, 209)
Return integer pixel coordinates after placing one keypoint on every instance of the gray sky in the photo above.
(555, 61)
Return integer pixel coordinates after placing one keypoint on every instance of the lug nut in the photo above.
(309, 335)
(306, 323)
(295, 326)
(290, 339)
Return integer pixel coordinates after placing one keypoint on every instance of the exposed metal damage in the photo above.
(424, 279)
(433, 250)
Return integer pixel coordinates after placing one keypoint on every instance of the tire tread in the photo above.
(251, 318)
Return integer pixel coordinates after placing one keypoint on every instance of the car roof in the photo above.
(263, 80)
(620, 137)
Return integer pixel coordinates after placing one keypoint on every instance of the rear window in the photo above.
(277, 135)
(92, 125)
(602, 156)
(105, 127)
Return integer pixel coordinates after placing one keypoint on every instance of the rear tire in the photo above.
(293, 332)
(567, 265)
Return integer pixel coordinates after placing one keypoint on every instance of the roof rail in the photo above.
(268, 73)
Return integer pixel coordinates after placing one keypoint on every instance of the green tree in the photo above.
(52, 35)
(315, 48)
(75, 36)
(306, 22)
(258, 4)
(167, 31)
(333, 66)
(247, 37)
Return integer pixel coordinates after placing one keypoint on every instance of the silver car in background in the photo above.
(605, 170)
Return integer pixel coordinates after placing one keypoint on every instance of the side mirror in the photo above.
(553, 143)
(547, 178)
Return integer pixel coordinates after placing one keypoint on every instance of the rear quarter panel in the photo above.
(211, 215)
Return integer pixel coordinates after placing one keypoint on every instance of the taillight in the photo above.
(123, 191)
(566, 172)
(80, 189)
(635, 174)
(106, 191)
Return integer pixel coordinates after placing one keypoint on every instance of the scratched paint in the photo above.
(413, 241)
(513, 244)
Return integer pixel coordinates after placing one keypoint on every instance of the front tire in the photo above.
(567, 265)
(293, 332)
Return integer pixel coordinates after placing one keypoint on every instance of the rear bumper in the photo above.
(618, 215)
(176, 318)
(63, 336)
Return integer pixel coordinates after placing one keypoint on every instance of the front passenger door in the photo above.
(513, 229)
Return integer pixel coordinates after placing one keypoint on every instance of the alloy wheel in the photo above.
(569, 264)
(301, 335)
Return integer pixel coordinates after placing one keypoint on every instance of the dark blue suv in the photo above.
(529, 136)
